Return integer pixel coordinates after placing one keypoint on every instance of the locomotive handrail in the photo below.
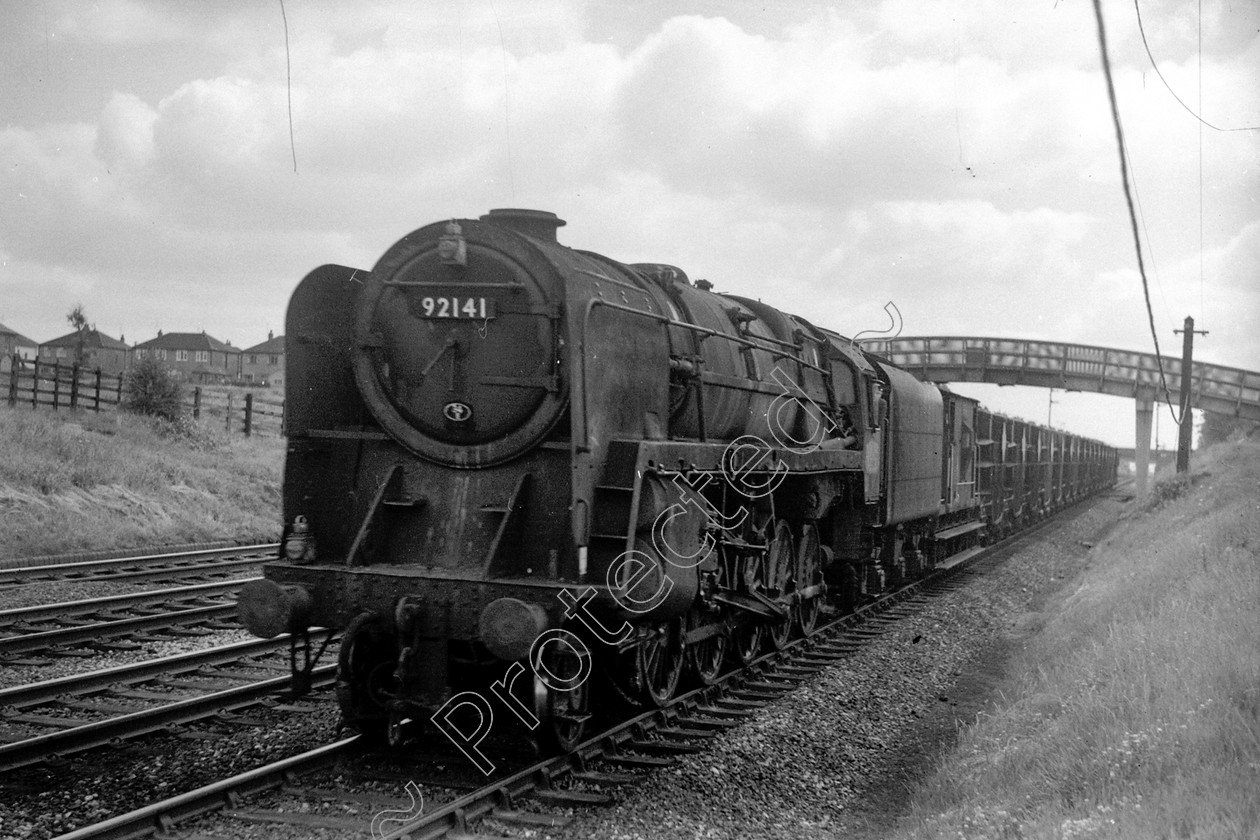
(605, 277)
(751, 345)
(667, 321)
(453, 284)
(708, 332)
(779, 342)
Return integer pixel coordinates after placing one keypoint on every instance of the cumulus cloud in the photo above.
(50, 181)
(126, 132)
(119, 22)
(956, 160)
(1224, 289)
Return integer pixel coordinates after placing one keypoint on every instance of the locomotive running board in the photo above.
(957, 531)
(960, 557)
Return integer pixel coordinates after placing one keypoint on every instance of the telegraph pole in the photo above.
(1187, 416)
(1050, 408)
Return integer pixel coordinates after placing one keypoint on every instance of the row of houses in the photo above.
(195, 357)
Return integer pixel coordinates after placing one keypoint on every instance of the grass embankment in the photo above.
(83, 481)
(1135, 711)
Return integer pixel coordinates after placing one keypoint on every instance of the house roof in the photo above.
(91, 338)
(187, 341)
(16, 337)
(272, 345)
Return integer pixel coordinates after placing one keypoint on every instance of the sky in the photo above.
(174, 166)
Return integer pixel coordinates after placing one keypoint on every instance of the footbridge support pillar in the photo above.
(1145, 403)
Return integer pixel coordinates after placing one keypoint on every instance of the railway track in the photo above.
(55, 718)
(118, 622)
(318, 789)
(170, 566)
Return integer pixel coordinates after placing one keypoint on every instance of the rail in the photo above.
(651, 739)
(159, 817)
(85, 735)
(166, 566)
(90, 622)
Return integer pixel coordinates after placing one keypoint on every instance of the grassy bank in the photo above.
(1135, 711)
(83, 481)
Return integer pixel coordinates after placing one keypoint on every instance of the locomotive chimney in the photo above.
(540, 224)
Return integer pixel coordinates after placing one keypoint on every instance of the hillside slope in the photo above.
(1134, 711)
(79, 482)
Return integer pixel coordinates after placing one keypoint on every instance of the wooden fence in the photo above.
(60, 386)
(243, 412)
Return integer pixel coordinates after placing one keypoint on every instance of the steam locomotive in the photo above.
(504, 452)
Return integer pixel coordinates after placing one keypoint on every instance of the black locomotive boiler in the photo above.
(495, 439)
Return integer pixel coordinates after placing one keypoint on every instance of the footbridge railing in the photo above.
(1073, 367)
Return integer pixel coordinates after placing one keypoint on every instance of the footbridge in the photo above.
(1076, 367)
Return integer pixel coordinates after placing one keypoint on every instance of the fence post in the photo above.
(35, 385)
(13, 381)
(227, 413)
(249, 413)
(196, 402)
(118, 393)
(74, 386)
(96, 393)
(56, 385)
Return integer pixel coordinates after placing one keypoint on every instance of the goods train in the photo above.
(503, 451)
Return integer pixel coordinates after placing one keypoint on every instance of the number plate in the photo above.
(457, 306)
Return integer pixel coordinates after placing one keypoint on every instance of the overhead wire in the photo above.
(288, 73)
(1128, 200)
(507, 102)
(1200, 46)
(1146, 235)
(1189, 110)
